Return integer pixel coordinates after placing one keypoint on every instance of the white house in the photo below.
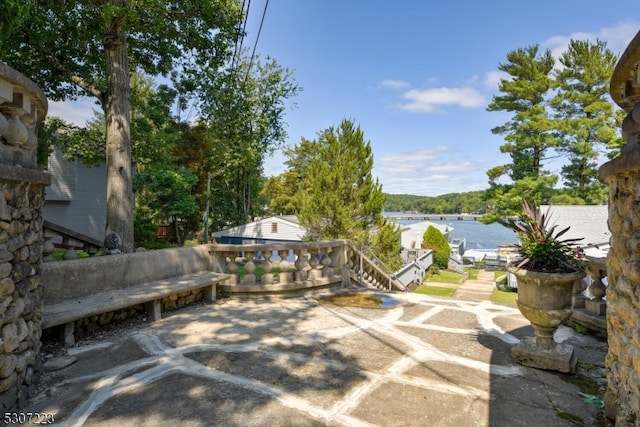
(411, 234)
(266, 230)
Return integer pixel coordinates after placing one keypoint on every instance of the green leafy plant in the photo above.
(541, 246)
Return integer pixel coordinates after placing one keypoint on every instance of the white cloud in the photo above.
(492, 79)
(617, 38)
(430, 100)
(395, 84)
(76, 112)
(414, 158)
(429, 172)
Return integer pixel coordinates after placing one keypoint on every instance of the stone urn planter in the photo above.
(544, 299)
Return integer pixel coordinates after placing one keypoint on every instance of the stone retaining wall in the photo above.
(23, 106)
(21, 202)
(622, 175)
(623, 298)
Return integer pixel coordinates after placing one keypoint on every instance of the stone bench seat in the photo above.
(150, 294)
(83, 288)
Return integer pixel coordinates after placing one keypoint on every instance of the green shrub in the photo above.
(433, 239)
(144, 232)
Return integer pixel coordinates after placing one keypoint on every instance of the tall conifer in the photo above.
(339, 197)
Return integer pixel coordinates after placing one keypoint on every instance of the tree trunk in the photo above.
(118, 118)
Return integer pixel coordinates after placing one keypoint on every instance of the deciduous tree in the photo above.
(244, 110)
(90, 48)
(434, 239)
(281, 189)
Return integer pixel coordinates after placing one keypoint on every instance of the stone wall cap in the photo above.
(17, 173)
(624, 72)
(19, 79)
(626, 162)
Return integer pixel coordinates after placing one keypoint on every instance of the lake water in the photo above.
(477, 234)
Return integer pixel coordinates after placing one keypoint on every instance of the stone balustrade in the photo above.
(23, 106)
(285, 268)
(622, 175)
(22, 185)
(589, 305)
(366, 272)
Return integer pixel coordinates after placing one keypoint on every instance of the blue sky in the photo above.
(415, 75)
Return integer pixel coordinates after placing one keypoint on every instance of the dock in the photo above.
(431, 217)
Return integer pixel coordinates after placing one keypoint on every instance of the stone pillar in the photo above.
(22, 185)
(622, 175)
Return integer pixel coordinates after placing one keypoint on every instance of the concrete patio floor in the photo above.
(426, 361)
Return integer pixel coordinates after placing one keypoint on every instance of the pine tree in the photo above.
(339, 198)
(529, 134)
(585, 118)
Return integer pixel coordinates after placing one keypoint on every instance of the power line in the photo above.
(253, 53)
(242, 30)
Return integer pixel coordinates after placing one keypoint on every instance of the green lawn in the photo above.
(445, 276)
(435, 291)
(57, 254)
(504, 297)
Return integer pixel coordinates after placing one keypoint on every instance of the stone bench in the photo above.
(82, 288)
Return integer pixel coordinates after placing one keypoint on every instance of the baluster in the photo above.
(16, 133)
(373, 280)
(232, 268)
(4, 123)
(267, 267)
(327, 262)
(578, 298)
(314, 263)
(300, 274)
(284, 276)
(249, 269)
(597, 290)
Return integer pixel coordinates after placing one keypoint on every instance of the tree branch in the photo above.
(83, 84)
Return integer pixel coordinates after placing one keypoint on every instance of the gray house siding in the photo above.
(415, 270)
(77, 196)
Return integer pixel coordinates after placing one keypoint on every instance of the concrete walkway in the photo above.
(479, 289)
(424, 361)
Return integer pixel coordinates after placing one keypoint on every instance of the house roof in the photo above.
(588, 222)
(411, 234)
(423, 225)
(287, 228)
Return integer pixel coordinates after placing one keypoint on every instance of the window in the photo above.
(274, 227)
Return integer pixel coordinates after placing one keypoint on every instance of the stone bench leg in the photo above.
(209, 293)
(68, 339)
(154, 310)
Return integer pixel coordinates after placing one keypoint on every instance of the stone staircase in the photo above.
(479, 289)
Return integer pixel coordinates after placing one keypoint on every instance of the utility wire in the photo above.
(264, 12)
(242, 30)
